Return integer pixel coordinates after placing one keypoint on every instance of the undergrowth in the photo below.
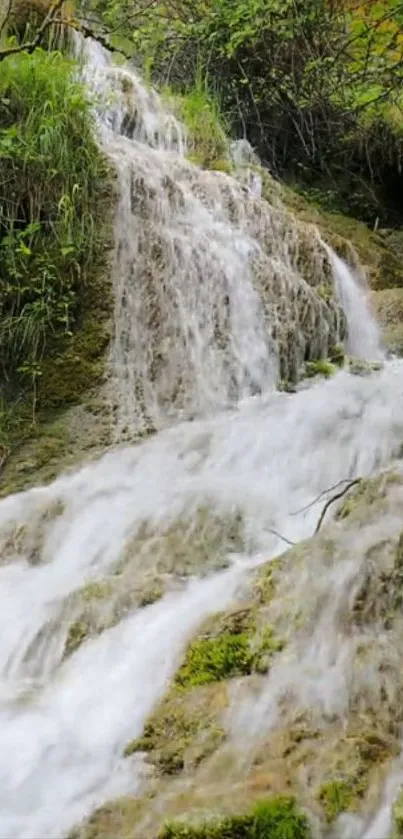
(52, 185)
(278, 818)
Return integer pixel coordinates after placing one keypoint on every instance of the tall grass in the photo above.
(52, 178)
(199, 109)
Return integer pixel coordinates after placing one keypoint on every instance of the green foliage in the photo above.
(52, 181)
(336, 797)
(315, 86)
(276, 818)
(200, 111)
(213, 659)
(322, 367)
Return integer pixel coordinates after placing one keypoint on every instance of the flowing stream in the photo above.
(200, 266)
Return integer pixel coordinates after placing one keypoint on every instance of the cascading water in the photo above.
(209, 293)
(217, 291)
(363, 338)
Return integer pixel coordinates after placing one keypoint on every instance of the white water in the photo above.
(364, 337)
(64, 722)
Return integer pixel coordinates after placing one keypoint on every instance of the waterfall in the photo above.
(217, 293)
(363, 332)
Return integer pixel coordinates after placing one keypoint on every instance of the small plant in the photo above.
(336, 797)
(321, 367)
(276, 818)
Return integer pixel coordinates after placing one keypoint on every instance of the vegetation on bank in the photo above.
(55, 190)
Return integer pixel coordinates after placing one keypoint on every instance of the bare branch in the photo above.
(335, 498)
(318, 497)
(283, 538)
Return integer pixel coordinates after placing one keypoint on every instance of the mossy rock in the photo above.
(230, 645)
(265, 582)
(336, 797)
(197, 542)
(77, 634)
(102, 604)
(378, 252)
(186, 727)
(184, 730)
(367, 492)
(113, 821)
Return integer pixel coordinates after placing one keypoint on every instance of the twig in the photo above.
(283, 538)
(335, 498)
(318, 497)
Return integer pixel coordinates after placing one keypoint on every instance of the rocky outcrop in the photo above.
(296, 691)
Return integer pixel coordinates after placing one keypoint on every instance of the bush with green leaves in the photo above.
(52, 184)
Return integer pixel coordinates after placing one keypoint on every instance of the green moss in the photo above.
(277, 818)
(232, 645)
(321, 367)
(214, 659)
(336, 797)
(96, 590)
